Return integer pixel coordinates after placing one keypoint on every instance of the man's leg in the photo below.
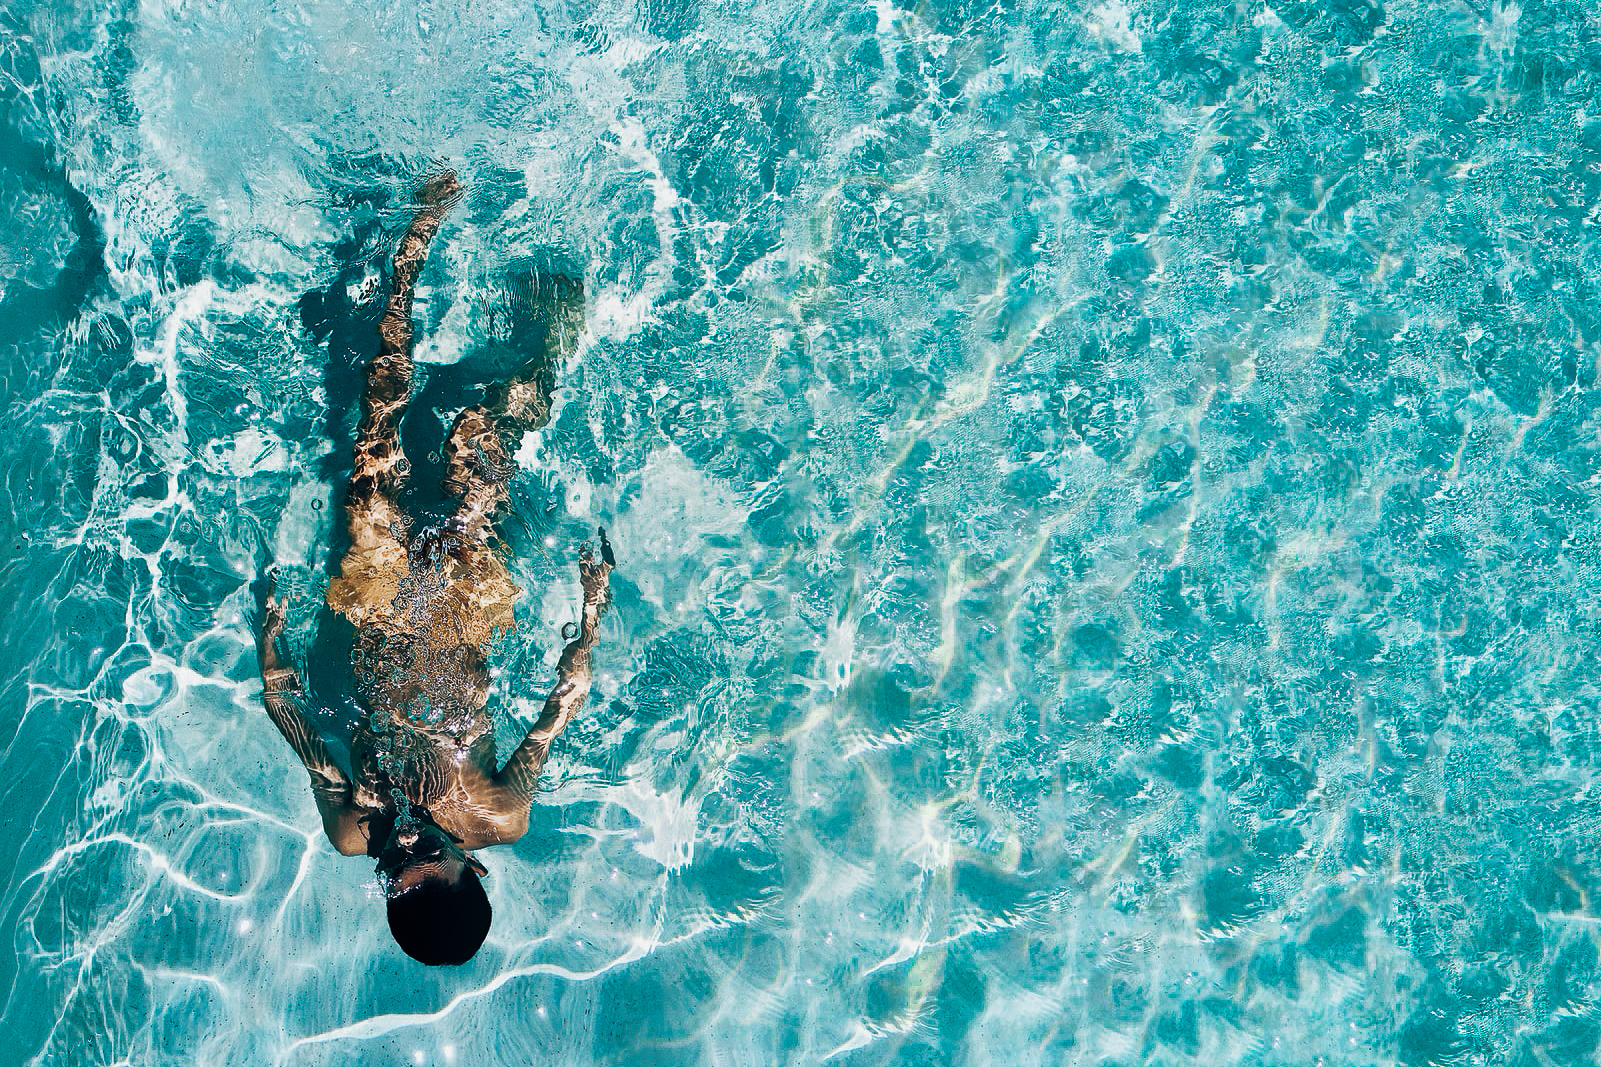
(374, 519)
(478, 463)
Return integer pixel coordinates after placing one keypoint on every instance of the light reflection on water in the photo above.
(1104, 495)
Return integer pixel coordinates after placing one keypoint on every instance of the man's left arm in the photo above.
(512, 789)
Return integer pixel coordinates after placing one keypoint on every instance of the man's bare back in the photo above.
(426, 603)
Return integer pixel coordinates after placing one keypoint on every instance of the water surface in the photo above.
(1105, 495)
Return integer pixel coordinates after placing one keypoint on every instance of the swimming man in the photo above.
(425, 602)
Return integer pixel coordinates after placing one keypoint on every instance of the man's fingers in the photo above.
(277, 608)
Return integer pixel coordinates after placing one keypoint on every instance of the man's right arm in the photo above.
(329, 786)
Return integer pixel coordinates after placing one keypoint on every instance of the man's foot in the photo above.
(564, 299)
(441, 189)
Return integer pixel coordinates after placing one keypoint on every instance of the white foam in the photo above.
(246, 453)
(1111, 24)
(667, 821)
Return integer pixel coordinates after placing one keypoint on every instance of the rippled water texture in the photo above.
(1105, 499)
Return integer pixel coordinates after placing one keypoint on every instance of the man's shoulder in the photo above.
(488, 825)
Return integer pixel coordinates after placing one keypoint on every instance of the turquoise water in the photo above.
(1106, 498)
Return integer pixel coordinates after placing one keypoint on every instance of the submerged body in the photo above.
(426, 603)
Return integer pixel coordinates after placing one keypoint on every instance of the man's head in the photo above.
(438, 910)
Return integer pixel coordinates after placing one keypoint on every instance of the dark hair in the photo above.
(441, 922)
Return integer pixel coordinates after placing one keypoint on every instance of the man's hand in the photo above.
(277, 611)
(276, 676)
(596, 577)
